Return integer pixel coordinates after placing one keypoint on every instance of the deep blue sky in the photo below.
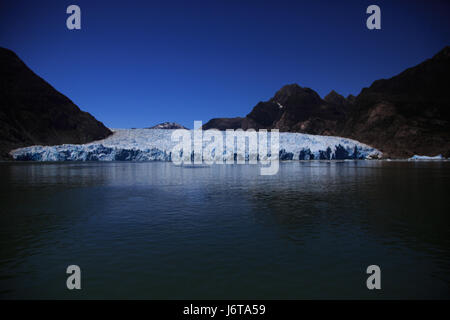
(138, 63)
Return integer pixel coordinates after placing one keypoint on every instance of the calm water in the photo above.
(154, 230)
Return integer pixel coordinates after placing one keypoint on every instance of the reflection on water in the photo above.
(154, 230)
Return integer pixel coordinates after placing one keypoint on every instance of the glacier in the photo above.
(156, 145)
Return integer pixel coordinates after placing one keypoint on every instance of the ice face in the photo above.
(156, 145)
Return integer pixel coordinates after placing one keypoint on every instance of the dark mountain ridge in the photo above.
(408, 113)
(405, 115)
(32, 112)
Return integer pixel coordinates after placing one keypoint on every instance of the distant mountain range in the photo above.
(405, 115)
(168, 125)
(32, 112)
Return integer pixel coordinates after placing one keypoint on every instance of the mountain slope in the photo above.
(32, 112)
(408, 113)
(405, 115)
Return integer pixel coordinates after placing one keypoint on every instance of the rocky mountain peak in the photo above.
(295, 92)
(168, 125)
(334, 98)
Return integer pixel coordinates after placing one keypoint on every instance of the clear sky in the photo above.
(138, 63)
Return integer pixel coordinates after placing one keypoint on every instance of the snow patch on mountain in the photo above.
(168, 125)
(280, 106)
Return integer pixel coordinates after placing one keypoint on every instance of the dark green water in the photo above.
(153, 230)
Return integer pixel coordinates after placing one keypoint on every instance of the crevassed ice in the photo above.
(156, 145)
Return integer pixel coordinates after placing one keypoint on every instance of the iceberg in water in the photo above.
(156, 145)
(417, 157)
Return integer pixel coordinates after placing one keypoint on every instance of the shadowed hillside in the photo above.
(32, 112)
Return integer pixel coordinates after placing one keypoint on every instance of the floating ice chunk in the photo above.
(417, 157)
